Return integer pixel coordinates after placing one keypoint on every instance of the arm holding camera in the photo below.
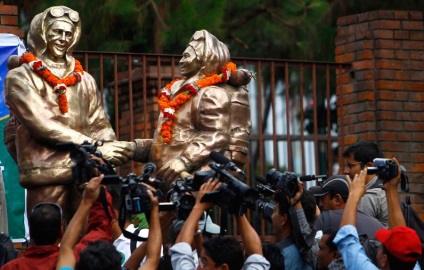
(395, 213)
(303, 232)
(154, 242)
(181, 252)
(75, 227)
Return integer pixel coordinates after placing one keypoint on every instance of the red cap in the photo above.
(402, 242)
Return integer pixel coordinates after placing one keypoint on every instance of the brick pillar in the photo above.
(9, 20)
(381, 98)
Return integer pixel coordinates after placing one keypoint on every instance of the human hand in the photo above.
(117, 152)
(210, 186)
(171, 170)
(154, 200)
(357, 186)
(92, 190)
(296, 198)
(394, 182)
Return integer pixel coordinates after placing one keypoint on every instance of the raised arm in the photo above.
(150, 248)
(251, 241)
(357, 190)
(75, 227)
(190, 225)
(395, 213)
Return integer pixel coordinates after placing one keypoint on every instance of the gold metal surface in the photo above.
(217, 118)
(37, 124)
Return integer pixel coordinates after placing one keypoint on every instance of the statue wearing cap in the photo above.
(52, 100)
(207, 110)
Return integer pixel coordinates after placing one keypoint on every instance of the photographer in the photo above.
(102, 254)
(358, 156)
(401, 246)
(218, 251)
(284, 224)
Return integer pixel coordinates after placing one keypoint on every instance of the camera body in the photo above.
(135, 196)
(182, 199)
(287, 181)
(386, 169)
(84, 165)
(233, 193)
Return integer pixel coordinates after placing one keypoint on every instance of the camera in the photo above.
(134, 196)
(233, 193)
(84, 165)
(265, 208)
(287, 181)
(182, 199)
(386, 169)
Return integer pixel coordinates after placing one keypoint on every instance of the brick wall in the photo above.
(9, 20)
(381, 98)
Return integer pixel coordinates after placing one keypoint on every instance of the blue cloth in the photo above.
(352, 252)
(292, 258)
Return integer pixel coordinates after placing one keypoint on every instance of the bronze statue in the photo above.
(52, 100)
(202, 112)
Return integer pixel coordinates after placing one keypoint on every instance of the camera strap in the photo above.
(133, 242)
(121, 221)
(103, 200)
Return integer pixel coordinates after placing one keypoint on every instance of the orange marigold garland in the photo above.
(169, 107)
(59, 85)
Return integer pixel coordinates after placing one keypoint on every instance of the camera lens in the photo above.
(265, 208)
(273, 176)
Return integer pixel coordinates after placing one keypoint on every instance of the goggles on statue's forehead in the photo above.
(59, 12)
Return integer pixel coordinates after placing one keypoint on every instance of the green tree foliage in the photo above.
(290, 29)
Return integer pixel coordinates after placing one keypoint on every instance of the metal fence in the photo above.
(293, 108)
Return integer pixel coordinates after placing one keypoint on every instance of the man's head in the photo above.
(280, 218)
(359, 155)
(55, 31)
(221, 253)
(210, 53)
(327, 249)
(99, 255)
(400, 248)
(45, 224)
(332, 193)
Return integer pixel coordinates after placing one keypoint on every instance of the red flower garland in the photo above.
(59, 85)
(169, 107)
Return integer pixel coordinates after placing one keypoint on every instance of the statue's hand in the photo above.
(117, 152)
(172, 170)
(142, 149)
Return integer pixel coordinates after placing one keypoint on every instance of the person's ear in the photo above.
(339, 199)
(382, 261)
(224, 266)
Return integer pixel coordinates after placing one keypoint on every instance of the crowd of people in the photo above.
(325, 227)
(319, 228)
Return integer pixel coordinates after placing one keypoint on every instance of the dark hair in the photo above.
(283, 201)
(45, 224)
(308, 203)
(396, 263)
(225, 250)
(363, 152)
(273, 255)
(344, 197)
(331, 235)
(99, 255)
